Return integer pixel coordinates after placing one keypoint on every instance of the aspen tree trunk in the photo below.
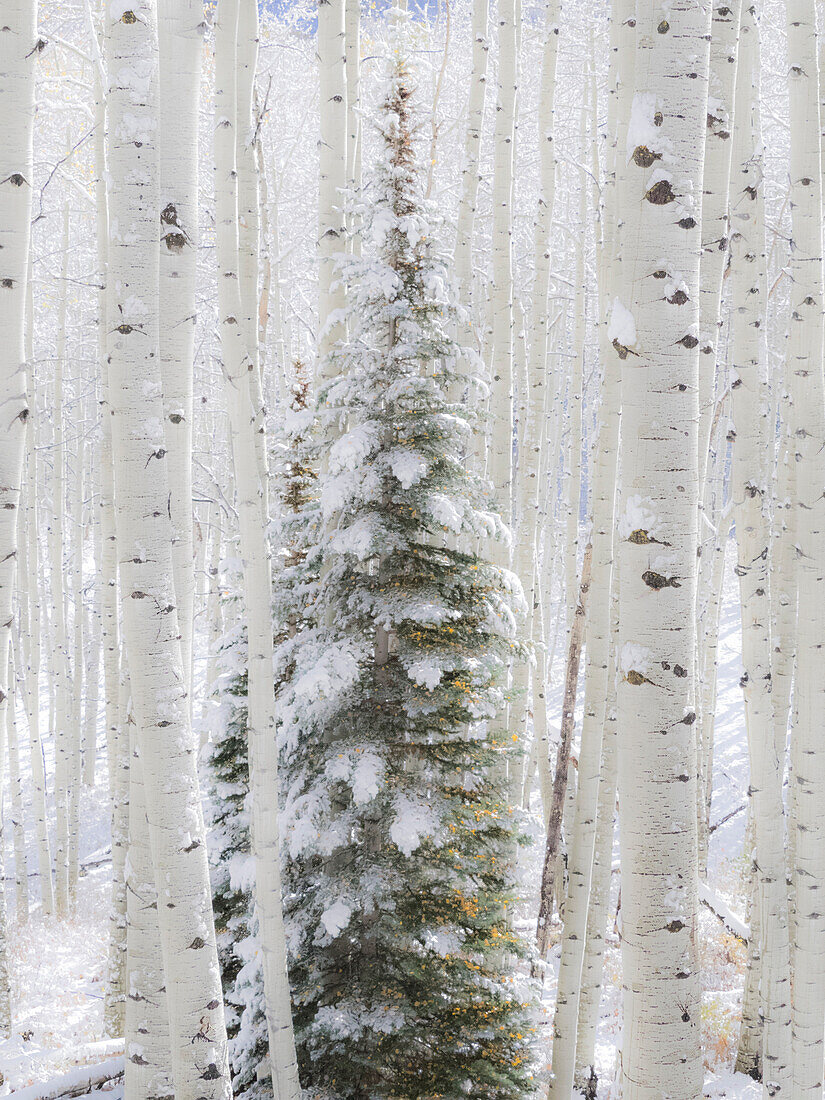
(5, 983)
(333, 163)
(352, 38)
(144, 543)
(62, 731)
(114, 1008)
(248, 202)
(620, 91)
(805, 348)
(715, 217)
(105, 602)
(657, 340)
(783, 582)
(18, 824)
(750, 491)
(573, 426)
(582, 844)
(180, 43)
(539, 322)
(715, 233)
(79, 686)
(148, 1056)
(560, 778)
(115, 706)
(251, 499)
(92, 633)
(706, 722)
(19, 47)
(214, 615)
(599, 902)
(470, 178)
(530, 483)
(749, 1051)
(501, 393)
(29, 580)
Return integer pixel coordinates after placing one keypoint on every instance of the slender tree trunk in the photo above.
(470, 178)
(148, 1056)
(657, 340)
(333, 163)
(553, 841)
(501, 408)
(79, 683)
(251, 499)
(805, 348)
(584, 1080)
(18, 823)
(750, 491)
(706, 719)
(352, 19)
(19, 47)
(749, 1051)
(144, 543)
(5, 979)
(582, 844)
(29, 576)
(61, 728)
(114, 1009)
(93, 633)
(715, 207)
(180, 44)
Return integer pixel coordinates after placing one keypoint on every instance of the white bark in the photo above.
(5, 983)
(147, 1055)
(657, 540)
(62, 729)
(16, 815)
(750, 491)
(79, 683)
(180, 42)
(598, 905)
(501, 394)
(715, 219)
(251, 503)
(583, 839)
(29, 575)
(470, 178)
(708, 624)
(333, 163)
(749, 1051)
(92, 632)
(352, 22)
(19, 47)
(805, 348)
(114, 1009)
(144, 542)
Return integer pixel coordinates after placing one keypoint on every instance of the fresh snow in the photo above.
(336, 918)
(622, 326)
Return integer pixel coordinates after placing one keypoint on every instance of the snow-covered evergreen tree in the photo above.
(400, 842)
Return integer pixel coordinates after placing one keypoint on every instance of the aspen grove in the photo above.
(412, 549)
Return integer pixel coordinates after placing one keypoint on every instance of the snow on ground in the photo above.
(57, 979)
(58, 969)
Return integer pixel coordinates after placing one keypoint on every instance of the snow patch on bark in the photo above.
(622, 325)
(641, 129)
(634, 657)
(638, 515)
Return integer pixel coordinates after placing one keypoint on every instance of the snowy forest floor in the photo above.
(58, 968)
